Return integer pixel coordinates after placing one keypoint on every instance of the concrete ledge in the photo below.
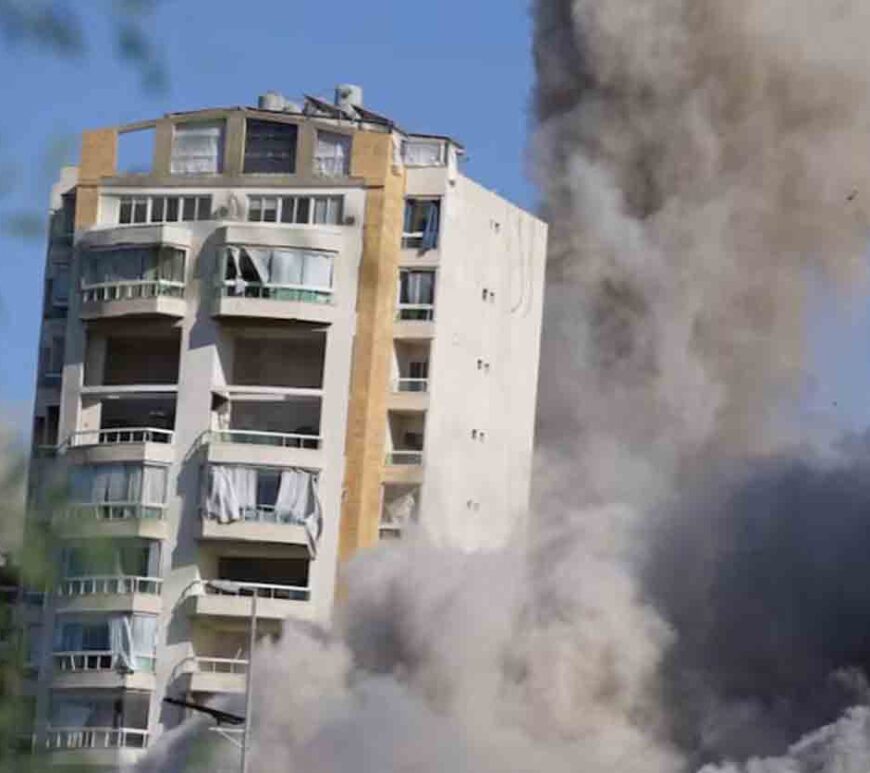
(160, 307)
(159, 453)
(101, 680)
(400, 473)
(264, 308)
(110, 602)
(405, 328)
(246, 531)
(408, 401)
(268, 456)
(239, 607)
(148, 528)
(172, 234)
(102, 759)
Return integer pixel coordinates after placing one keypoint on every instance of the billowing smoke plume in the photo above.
(687, 591)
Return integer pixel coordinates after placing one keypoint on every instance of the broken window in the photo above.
(197, 148)
(270, 147)
(332, 154)
(422, 219)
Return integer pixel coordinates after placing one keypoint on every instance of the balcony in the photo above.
(99, 747)
(211, 675)
(91, 669)
(110, 593)
(400, 506)
(274, 602)
(112, 520)
(125, 424)
(133, 281)
(409, 394)
(263, 426)
(403, 462)
(275, 283)
(258, 525)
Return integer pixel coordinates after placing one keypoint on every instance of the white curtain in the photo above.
(317, 270)
(287, 267)
(196, 149)
(418, 287)
(260, 258)
(72, 713)
(154, 485)
(232, 491)
(297, 502)
(401, 510)
(423, 153)
(133, 638)
(332, 154)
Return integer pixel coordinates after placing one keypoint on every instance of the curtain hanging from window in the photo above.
(233, 490)
(430, 232)
(133, 638)
(422, 153)
(417, 287)
(196, 149)
(297, 502)
(280, 266)
(332, 154)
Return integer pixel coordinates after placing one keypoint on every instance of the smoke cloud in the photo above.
(688, 588)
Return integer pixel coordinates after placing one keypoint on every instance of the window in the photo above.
(54, 359)
(423, 152)
(197, 148)
(281, 273)
(418, 374)
(332, 154)
(299, 210)
(163, 209)
(117, 483)
(270, 147)
(422, 218)
(60, 286)
(132, 265)
(416, 294)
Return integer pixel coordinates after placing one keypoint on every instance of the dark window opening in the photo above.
(270, 147)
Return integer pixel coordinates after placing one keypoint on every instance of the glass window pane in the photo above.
(197, 148)
(157, 209)
(189, 208)
(125, 214)
(288, 205)
(172, 209)
(303, 210)
(255, 209)
(270, 210)
(203, 208)
(270, 147)
(140, 211)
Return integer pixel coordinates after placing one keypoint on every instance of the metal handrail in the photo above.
(258, 437)
(96, 738)
(248, 589)
(113, 511)
(132, 289)
(120, 436)
(271, 291)
(205, 665)
(259, 514)
(411, 385)
(404, 458)
(109, 584)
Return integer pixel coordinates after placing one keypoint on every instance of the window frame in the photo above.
(144, 205)
(255, 163)
(257, 202)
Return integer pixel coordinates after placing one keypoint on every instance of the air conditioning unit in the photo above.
(349, 220)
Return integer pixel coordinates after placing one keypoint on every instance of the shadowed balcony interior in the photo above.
(86, 720)
(400, 506)
(291, 356)
(405, 435)
(119, 358)
(411, 366)
(291, 572)
(267, 418)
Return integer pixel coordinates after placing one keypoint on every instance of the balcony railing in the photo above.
(261, 590)
(405, 458)
(258, 438)
(99, 660)
(120, 436)
(411, 385)
(132, 290)
(199, 665)
(69, 738)
(118, 584)
(424, 312)
(275, 292)
(114, 511)
(260, 514)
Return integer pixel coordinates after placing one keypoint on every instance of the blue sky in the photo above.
(453, 67)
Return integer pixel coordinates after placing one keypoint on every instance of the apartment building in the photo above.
(272, 338)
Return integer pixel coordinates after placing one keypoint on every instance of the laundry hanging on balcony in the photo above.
(132, 639)
(297, 501)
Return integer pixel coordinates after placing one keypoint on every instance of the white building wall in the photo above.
(476, 488)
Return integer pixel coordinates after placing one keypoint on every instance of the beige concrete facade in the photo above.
(334, 380)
